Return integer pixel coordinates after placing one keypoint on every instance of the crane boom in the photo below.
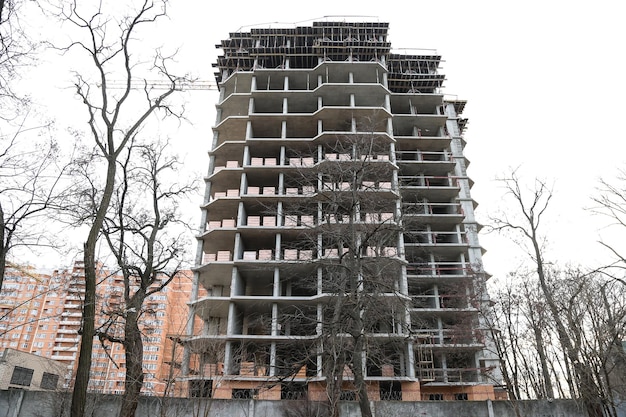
(185, 85)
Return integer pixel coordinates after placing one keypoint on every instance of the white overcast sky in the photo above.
(545, 83)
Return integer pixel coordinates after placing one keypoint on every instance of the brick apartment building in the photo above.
(40, 314)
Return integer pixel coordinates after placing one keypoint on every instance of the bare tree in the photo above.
(532, 208)
(611, 202)
(16, 51)
(114, 118)
(148, 255)
(356, 242)
(32, 185)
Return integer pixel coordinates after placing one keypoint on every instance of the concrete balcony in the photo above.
(62, 357)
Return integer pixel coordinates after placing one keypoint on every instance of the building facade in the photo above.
(22, 370)
(41, 314)
(338, 234)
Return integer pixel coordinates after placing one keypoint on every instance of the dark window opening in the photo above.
(244, 394)
(347, 396)
(390, 391)
(461, 396)
(435, 397)
(293, 391)
(201, 389)
(49, 381)
(21, 376)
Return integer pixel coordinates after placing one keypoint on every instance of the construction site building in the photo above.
(288, 97)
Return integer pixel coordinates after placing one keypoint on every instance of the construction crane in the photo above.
(183, 85)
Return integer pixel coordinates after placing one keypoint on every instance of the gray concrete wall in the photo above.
(15, 403)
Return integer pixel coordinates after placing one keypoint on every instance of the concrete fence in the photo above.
(17, 403)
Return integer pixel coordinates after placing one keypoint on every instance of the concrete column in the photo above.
(281, 186)
(275, 319)
(279, 211)
(277, 247)
(246, 155)
(283, 156)
(276, 289)
(410, 360)
(241, 215)
(249, 132)
(273, 359)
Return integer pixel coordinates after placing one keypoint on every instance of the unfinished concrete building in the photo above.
(331, 153)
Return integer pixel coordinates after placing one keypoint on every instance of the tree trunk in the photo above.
(3, 249)
(548, 391)
(359, 377)
(588, 389)
(133, 345)
(79, 394)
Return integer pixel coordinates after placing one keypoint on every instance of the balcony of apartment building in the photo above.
(442, 298)
(225, 171)
(431, 187)
(420, 211)
(452, 337)
(72, 298)
(326, 78)
(263, 186)
(67, 331)
(64, 339)
(416, 162)
(429, 130)
(445, 368)
(67, 321)
(218, 229)
(355, 155)
(231, 129)
(422, 104)
(437, 240)
(216, 263)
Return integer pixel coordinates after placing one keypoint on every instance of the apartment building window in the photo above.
(202, 389)
(347, 395)
(21, 376)
(435, 397)
(462, 396)
(244, 394)
(49, 381)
